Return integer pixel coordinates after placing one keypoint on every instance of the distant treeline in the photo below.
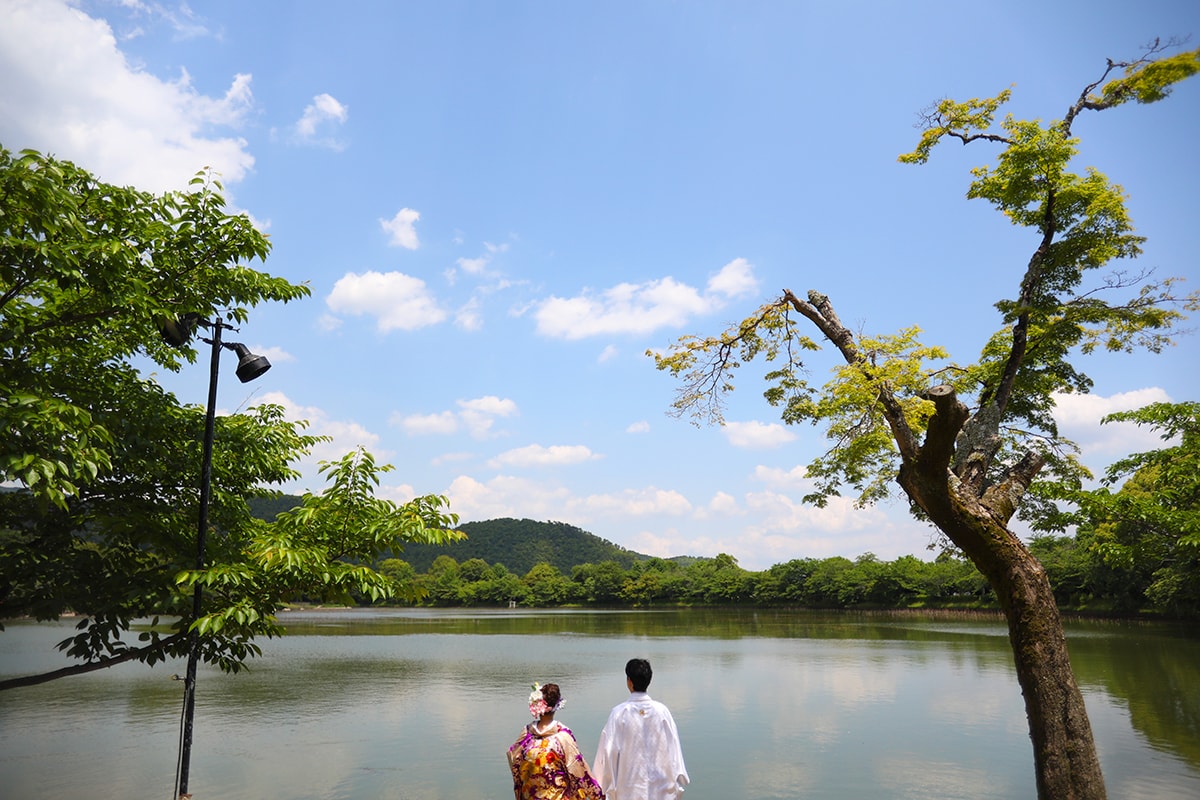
(1081, 582)
(824, 583)
(531, 563)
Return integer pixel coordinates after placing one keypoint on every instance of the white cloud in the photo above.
(735, 279)
(723, 503)
(66, 88)
(452, 458)
(641, 308)
(395, 300)
(320, 116)
(506, 496)
(535, 455)
(468, 317)
(641, 426)
(473, 266)
(328, 322)
(276, 355)
(776, 478)
(478, 416)
(757, 435)
(401, 229)
(442, 423)
(607, 354)
(625, 308)
(638, 503)
(1078, 417)
(481, 413)
(398, 493)
(781, 513)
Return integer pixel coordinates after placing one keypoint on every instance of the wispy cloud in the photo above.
(477, 416)
(757, 435)
(321, 119)
(535, 455)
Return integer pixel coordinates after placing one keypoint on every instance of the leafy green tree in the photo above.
(653, 581)
(321, 549)
(965, 444)
(600, 584)
(504, 588)
(104, 520)
(718, 580)
(444, 583)
(951, 577)
(1149, 530)
(784, 584)
(900, 582)
(1068, 567)
(475, 569)
(547, 586)
(827, 585)
(403, 576)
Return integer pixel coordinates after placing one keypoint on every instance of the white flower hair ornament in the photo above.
(538, 705)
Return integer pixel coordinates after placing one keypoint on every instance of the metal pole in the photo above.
(189, 698)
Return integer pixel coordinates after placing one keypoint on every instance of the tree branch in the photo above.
(1003, 498)
(944, 426)
(92, 666)
(820, 312)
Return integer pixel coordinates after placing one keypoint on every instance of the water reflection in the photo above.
(770, 704)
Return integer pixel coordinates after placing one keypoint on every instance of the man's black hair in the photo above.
(638, 671)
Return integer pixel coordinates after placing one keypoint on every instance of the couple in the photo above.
(639, 756)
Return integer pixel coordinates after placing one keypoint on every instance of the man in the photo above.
(639, 756)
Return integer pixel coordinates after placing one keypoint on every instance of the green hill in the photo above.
(518, 544)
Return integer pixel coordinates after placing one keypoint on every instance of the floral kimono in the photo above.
(549, 766)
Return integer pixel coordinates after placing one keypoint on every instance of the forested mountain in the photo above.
(518, 544)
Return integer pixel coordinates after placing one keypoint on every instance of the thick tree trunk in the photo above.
(1064, 750)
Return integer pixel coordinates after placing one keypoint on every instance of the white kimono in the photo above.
(639, 757)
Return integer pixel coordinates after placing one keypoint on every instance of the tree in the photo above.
(546, 586)
(104, 520)
(891, 415)
(601, 583)
(444, 583)
(1151, 527)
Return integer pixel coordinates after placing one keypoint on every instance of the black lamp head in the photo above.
(249, 365)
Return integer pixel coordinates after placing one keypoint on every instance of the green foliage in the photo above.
(1149, 530)
(104, 520)
(1148, 81)
(87, 270)
(320, 550)
(862, 446)
(866, 582)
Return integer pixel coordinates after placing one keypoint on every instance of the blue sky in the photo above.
(500, 206)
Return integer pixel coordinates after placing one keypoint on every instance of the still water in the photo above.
(407, 704)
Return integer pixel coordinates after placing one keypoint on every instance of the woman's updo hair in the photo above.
(552, 695)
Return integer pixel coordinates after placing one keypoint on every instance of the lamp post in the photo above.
(250, 366)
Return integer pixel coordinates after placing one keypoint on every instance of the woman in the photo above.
(546, 763)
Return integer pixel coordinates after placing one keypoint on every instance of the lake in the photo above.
(423, 703)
